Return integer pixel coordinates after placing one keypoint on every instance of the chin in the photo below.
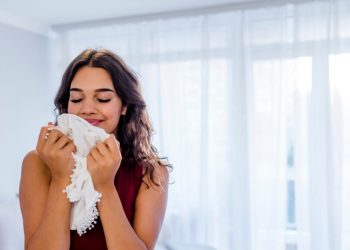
(109, 131)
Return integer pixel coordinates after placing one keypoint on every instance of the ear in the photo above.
(125, 108)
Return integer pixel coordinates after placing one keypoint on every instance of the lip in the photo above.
(93, 122)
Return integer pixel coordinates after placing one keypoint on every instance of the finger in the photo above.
(70, 147)
(62, 142)
(44, 133)
(53, 136)
(112, 143)
(41, 139)
(103, 149)
(114, 147)
(96, 154)
(90, 159)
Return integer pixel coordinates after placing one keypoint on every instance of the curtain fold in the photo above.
(252, 108)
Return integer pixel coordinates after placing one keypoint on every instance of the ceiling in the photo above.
(50, 13)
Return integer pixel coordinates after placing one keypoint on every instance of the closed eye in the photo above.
(100, 100)
(103, 100)
(76, 100)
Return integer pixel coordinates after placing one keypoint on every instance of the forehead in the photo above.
(92, 78)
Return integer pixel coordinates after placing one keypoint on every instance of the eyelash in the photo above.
(100, 100)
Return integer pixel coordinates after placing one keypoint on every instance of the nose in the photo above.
(88, 107)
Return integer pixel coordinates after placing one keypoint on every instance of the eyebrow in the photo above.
(97, 90)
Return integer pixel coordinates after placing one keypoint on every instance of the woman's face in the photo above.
(93, 98)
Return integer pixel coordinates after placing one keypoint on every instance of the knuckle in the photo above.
(66, 139)
(56, 132)
(53, 132)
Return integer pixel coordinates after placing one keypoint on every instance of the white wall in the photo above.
(25, 107)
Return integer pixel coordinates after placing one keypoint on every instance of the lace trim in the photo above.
(90, 218)
(76, 195)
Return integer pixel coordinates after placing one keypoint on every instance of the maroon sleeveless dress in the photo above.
(127, 182)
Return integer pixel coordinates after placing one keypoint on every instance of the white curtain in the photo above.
(252, 107)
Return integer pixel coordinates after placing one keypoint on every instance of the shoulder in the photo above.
(157, 178)
(161, 174)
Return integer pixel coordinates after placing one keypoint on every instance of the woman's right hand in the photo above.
(55, 150)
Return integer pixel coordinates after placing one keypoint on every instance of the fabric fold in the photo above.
(81, 191)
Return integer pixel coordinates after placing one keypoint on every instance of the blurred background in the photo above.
(250, 100)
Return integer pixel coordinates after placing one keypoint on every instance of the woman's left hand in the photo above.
(103, 163)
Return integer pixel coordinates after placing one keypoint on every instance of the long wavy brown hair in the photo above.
(134, 130)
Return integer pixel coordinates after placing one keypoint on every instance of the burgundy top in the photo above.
(127, 182)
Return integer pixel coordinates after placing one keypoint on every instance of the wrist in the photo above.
(60, 181)
(106, 188)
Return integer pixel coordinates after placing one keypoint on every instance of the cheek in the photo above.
(113, 115)
(113, 110)
(71, 109)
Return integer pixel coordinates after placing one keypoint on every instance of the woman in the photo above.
(98, 87)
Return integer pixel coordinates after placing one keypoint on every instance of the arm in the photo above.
(45, 209)
(149, 213)
(150, 201)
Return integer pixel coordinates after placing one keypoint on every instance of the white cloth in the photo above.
(81, 191)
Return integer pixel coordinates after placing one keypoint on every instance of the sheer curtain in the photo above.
(252, 107)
